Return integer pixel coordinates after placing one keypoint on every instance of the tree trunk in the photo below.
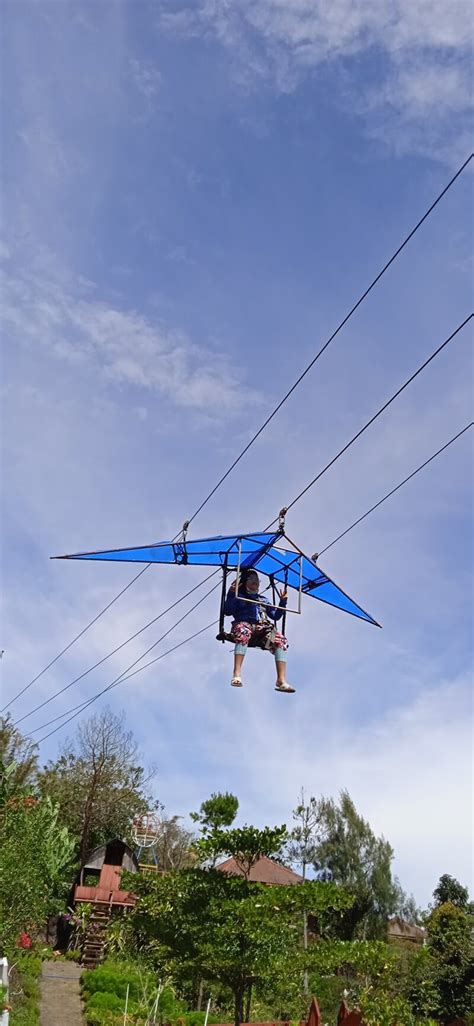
(305, 945)
(86, 827)
(239, 1005)
(200, 994)
(248, 1003)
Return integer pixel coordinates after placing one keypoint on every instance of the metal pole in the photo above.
(4, 980)
(125, 1014)
(239, 550)
(207, 1010)
(155, 1006)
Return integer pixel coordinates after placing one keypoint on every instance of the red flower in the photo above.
(24, 941)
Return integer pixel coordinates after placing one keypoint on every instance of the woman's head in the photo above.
(250, 581)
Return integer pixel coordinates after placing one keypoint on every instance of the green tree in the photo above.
(449, 889)
(441, 977)
(216, 812)
(36, 857)
(173, 844)
(245, 844)
(406, 906)
(301, 847)
(348, 848)
(205, 924)
(304, 834)
(97, 782)
(452, 954)
(18, 761)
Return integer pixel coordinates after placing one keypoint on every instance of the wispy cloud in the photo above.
(408, 61)
(122, 345)
(146, 77)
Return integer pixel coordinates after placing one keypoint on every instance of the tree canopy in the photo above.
(202, 923)
(36, 863)
(347, 848)
(216, 812)
(449, 889)
(97, 782)
(18, 760)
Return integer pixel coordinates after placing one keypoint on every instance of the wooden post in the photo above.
(342, 1013)
(354, 1019)
(314, 1018)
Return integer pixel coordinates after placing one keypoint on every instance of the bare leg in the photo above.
(238, 660)
(280, 669)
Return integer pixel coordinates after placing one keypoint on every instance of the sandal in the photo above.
(285, 687)
(236, 682)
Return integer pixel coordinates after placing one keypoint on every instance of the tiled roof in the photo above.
(265, 871)
(400, 929)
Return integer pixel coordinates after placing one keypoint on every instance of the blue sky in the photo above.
(193, 196)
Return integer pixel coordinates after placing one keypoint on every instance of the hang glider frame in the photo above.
(262, 551)
(298, 559)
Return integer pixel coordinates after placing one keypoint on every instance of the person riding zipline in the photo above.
(252, 622)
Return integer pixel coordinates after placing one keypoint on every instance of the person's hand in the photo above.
(233, 586)
(283, 594)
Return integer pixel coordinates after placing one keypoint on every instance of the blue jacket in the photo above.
(251, 612)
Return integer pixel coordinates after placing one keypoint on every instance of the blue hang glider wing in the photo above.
(263, 551)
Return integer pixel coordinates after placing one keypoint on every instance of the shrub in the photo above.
(111, 981)
(24, 989)
(109, 1002)
(73, 955)
(194, 1019)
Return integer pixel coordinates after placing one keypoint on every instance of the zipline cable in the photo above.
(71, 643)
(353, 309)
(332, 337)
(86, 628)
(81, 707)
(412, 377)
(118, 679)
(397, 487)
(117, 649)
(379, 412)
(77, 709)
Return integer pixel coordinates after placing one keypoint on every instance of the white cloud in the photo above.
(408, 770)
(417, 57)
(123, 346)
(146, 77)
(345, 26)
(421, 90)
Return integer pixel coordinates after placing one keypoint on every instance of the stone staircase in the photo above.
(94, 941)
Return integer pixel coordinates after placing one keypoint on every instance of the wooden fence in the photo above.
(344, 1018)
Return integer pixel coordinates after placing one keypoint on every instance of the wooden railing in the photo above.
(344, 1018)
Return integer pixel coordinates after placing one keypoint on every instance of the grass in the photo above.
(25, 989)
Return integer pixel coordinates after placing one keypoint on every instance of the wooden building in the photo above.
(99, 885)
(264, 870)
(100, 875)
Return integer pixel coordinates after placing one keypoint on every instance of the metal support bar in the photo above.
(239, 553)
(223, 598)
(251, 600)
(283, 622)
